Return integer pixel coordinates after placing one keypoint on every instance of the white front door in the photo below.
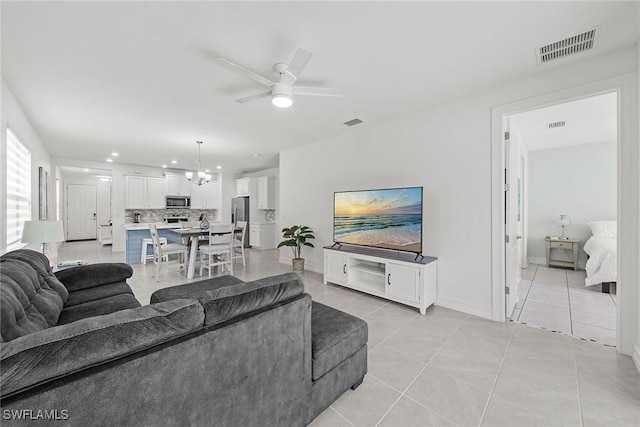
(81, 212)
(512, 193)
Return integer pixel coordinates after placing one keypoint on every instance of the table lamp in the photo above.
(563, 222)
(42, 232)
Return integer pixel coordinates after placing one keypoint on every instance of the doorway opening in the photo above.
(561, 163)
(628, 200)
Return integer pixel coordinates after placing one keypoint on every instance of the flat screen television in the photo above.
(389, 218)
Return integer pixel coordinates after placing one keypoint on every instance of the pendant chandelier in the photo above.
(203, 177)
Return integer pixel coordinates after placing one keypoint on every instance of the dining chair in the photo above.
(238, 243)
(219, 251)
(162, 252)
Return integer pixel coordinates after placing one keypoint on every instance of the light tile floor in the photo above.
(447, 368)
(557, 299)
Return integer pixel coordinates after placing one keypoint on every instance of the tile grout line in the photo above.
(341, 416)
(495, 381)
(403, 393)
(524, 301)
(566, 279)
(578, 387)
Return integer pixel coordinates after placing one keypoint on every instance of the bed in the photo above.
(601, 248)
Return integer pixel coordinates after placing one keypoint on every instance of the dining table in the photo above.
(191, 235)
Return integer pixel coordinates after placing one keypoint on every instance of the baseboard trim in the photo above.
(464, 308)
(543, 261)
(636, 356)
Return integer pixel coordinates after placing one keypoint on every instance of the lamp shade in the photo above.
(563, 221)
(42, 232)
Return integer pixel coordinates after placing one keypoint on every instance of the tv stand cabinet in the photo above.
(394, 276)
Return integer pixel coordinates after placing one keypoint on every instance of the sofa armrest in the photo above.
(224, 303)
(52, 353)
(89, 276)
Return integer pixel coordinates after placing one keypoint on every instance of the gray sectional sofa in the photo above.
(77, 347)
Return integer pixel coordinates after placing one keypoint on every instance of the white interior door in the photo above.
(81, 212)
(512, 189)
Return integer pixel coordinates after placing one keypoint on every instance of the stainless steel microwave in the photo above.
(178, 202)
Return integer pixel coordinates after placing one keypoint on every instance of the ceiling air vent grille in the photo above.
(568, 46)
(556, 124)
(353, 122)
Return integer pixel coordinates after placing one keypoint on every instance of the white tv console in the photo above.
(395, 276)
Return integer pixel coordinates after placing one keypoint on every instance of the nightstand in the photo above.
(571, 244)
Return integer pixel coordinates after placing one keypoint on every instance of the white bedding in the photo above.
(602, 264)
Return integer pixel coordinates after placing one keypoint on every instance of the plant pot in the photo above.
(298, 265)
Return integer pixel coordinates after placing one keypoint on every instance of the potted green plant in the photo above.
(296, 237)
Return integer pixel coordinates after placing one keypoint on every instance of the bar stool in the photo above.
(146, 242)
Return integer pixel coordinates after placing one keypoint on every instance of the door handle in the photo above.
(344, 268)
(389, 279)
(518, 237)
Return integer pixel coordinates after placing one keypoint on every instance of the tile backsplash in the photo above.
(157, 215)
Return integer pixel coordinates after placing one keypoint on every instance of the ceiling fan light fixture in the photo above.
(281, 100)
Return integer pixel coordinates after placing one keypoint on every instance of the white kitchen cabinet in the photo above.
(262, 236)
(243, 187)
(407, 281)
(205, 196)
(266, 189)
(178, 185)
(145, 192)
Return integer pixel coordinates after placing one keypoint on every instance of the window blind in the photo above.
(18, 189)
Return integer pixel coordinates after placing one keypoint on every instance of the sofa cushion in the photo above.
(227, 302)
(193, 289)
(92, 275)
(27, 302)
(335, 336)
(62, 350)
(99, 307)
(40, 264)
(99, 292)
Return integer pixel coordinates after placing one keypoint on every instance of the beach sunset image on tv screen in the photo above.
(390, 219)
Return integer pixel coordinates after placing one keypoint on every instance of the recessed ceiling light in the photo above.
(257, 154)
(218, 167)
(114, 154)
(86, 170)
(174, 161)
(207, 170)
(109, 160)
(105, 179)
(164, 166)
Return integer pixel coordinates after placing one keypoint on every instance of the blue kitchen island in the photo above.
(136, 232)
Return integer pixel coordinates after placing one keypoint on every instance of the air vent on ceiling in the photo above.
(568, 46)
(556, 124)
(353, 122)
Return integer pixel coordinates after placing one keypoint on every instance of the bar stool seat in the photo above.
(146, 242)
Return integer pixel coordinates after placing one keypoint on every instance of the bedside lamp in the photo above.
(563, 222)
(42, 232)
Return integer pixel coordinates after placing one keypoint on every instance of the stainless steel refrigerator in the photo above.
(240, 212)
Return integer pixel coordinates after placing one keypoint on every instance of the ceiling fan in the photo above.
(282, 91)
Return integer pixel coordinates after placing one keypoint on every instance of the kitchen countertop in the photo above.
(145, 225)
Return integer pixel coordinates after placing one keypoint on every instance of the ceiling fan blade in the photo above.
(253, 97)
(257, 77)
(298, 62)
(316, 91)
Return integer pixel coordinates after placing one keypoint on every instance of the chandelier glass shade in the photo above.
(202, 177)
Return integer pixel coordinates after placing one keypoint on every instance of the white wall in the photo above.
(579, 181)
(14, 118)
(447, 150)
